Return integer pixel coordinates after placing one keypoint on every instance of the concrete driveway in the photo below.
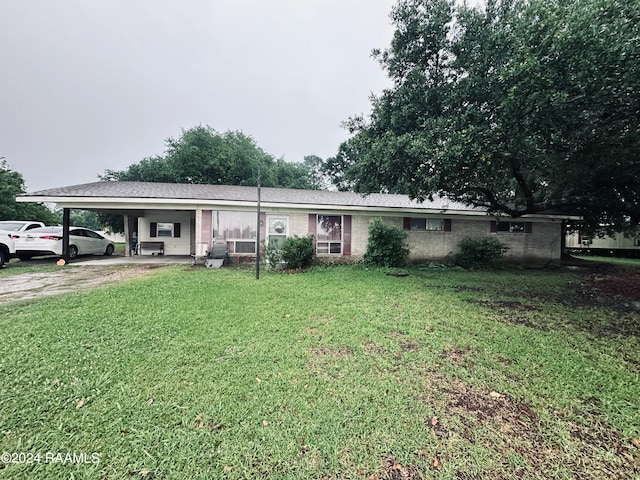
(82, 274)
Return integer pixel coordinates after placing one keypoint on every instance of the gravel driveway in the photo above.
(23, 286)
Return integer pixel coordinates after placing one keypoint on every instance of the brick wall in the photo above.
(542, 245)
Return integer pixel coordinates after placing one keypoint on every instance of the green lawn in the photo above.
(334, 373)
(622, 262)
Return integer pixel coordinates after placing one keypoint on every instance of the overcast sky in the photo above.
(92, 85)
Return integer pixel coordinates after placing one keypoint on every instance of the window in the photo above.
(636, 242)
(165, 229)
(278, 229)
(91, 234)
(238, 229)
(584, 240)
(511, 227)
(329, 234)
(427, 224)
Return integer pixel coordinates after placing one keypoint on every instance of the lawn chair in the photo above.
(218, 254)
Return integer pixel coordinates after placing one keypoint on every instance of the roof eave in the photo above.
(155, 203)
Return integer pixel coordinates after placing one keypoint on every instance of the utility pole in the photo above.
(258, 231)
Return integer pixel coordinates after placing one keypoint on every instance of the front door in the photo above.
(277, 229)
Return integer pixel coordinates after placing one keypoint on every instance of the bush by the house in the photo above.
(297, 251)
(479, 253)
(387, 245)
(273, 255)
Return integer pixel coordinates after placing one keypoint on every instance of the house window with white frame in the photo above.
(238, 229)
(329, 235)
(165, 229)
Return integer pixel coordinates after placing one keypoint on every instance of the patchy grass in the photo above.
(335, 373)
(16, 267)
(120, 248)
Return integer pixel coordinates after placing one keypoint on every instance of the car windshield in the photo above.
(11, 226)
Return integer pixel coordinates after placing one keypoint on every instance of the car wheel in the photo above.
(109, 251)
(73, 252)
(2, 258)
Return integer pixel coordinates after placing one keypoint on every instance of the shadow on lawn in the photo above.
(604, 286)
(472, 415)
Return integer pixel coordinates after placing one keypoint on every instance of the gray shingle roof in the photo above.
(182, 191)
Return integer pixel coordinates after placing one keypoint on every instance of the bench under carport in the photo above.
(157, 247)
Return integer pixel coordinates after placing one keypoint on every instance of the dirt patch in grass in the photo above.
(610, 287)
(594, 436)
(616, 287)
(27, 286)
(512, 312)
(455, 354)
(512, 428)
(510, 415)
(392, 469)
(336, 353)
(373, 348)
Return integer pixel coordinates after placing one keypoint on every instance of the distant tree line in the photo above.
(203, 155)
(12, 185)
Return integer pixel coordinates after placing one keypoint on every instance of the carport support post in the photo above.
(129, 230)
(65, 233)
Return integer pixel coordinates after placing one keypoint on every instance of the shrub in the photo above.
(273, 255)
(479, 253)
(297, 251)
(386, 246)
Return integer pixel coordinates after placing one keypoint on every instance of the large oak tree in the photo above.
(520, 106)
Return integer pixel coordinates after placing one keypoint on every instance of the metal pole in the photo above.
(258, 231)
(66, 214)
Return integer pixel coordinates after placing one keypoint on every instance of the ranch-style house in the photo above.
(186, 218)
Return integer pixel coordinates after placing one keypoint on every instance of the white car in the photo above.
(7, 247)
(48, 241)
(19, 225)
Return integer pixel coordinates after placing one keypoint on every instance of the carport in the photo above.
(144, 210)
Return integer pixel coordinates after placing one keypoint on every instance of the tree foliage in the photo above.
(87, 219)
(11, 185)
(521, 106)
(202, 155)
